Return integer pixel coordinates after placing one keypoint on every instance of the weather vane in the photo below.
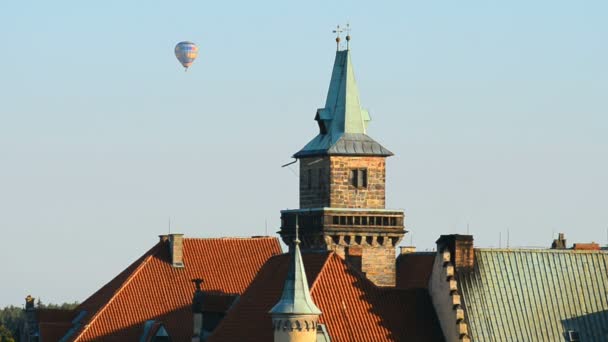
(338, 31)
(347, 36)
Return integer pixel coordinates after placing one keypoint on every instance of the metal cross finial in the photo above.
(338, 30)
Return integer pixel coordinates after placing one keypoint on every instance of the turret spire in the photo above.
(342, 122)
(296, 294)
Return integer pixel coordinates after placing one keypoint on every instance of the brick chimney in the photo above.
(31, 324)
(197, 311)
(559, 243)
(461, 249)
(586, 246)
(176, 248)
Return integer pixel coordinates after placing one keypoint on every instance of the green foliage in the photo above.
(64, 306)
(12, 318)
(5, 335)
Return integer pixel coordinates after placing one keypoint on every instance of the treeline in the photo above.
(12, 318)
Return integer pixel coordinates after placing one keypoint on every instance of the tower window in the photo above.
(321, 179)
(358, 178)
(309, 179)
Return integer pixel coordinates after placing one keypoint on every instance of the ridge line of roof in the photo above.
(546, 250)
(233, 238)
(139, 267)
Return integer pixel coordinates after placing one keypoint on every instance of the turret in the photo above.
(295, 316)
(343, 185)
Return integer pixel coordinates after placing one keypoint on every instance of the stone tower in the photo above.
(342, 185)
(295, 316)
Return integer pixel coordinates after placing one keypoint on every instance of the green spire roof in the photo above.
(296, 299)
(342, 123)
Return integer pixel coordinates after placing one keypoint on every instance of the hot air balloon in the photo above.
(186, 53)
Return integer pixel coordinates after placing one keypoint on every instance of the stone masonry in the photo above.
(327, 182)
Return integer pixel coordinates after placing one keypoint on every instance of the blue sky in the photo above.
(496, 111)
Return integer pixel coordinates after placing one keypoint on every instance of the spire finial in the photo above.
(297, 239)
(337, 31)
(347, 36)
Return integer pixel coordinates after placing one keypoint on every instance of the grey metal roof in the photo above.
(342, 122)
(536, 295)
(347, 144)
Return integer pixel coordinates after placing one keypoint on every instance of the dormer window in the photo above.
(322, 128)
(358, 178)
(573, 336)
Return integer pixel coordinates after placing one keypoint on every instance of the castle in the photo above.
(342, 278)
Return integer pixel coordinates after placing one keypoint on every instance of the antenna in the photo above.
(266, 227)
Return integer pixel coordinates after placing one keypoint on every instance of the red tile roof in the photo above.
(354, 309)
(151, 288)
(414, 270)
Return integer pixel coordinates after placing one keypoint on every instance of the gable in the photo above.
(152, 289)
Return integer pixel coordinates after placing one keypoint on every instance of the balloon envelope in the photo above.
(186, 53)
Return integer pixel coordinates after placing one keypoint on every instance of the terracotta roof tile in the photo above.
(354, 309)
(151, 288)
(414, 270)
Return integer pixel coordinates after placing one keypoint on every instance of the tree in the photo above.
(5, 334)
(12, 318)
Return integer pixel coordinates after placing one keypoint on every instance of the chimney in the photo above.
(30, 317)
(559, 243)
(461, 250)
(176, 248)
(197, 311)
(586, 246)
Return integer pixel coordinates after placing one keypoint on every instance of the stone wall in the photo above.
(343, 194)
(376, 260)
(443, 288)
(327, 182)
(314, 182)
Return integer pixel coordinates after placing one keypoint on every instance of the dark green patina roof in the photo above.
(342, 123)
(536, 295)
